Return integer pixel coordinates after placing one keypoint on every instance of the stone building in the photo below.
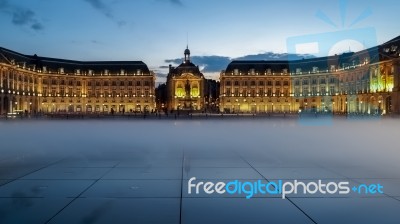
(364, 82)
(185, 86)
(49, 85)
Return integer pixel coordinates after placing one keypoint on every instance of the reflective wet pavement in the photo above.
(138, 172)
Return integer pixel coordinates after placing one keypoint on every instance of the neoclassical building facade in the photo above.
(185, 86)
(364, 82)
(48, 85)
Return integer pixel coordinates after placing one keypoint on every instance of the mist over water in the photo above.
(274, 142)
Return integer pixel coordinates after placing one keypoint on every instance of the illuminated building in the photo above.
(185, 86)
(48, 85)
(364, 82)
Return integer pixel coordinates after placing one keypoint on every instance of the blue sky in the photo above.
(156, 30)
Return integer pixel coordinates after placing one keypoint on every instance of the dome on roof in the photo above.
(187, 51)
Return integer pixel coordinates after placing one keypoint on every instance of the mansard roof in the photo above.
(387, 51)
(70, 66)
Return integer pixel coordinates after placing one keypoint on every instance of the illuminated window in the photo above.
(305, 91)
(180, 92)
(236, 91)
(331, 90)
(195, 90)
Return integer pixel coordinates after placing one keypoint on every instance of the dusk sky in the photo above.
(155, 31)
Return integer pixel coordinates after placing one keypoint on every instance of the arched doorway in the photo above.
(373, 105)
(388, 104)
(6, 105)
(381, 106)
(71, 108)
(146, 109)
(358, 109)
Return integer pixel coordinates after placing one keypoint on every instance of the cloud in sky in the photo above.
(207, 63)
(219, 63)
(275, 56)
(21, 16)
(161, 75)
(176, 2)
(100, 6)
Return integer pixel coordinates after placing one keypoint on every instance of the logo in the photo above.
(249, 189)
(335, 94)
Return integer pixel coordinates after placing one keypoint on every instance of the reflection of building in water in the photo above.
(35, 83)
(185, 86)
(362, 82)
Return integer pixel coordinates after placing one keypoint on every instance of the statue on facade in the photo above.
(187, 88)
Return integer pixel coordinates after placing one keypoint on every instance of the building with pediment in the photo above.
(185, 86)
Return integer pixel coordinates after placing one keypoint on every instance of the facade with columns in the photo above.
(185, 86)
(48, 85)
(365, 82)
